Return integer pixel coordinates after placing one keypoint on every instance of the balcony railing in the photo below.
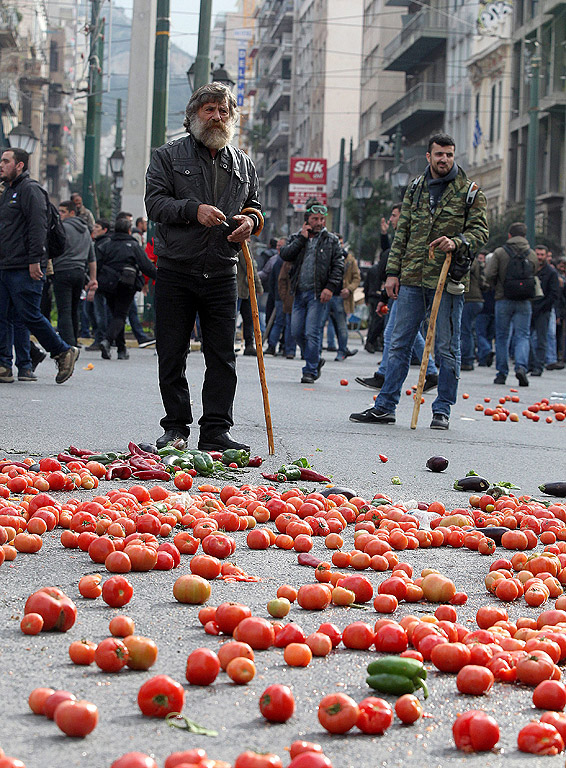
(9, 21)
(423, 94)
(285, 48)
(424, 24)
(278, 168)
(9, 95)
(283, 88)
(279, 129)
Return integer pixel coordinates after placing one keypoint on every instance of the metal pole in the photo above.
(340, 182)
(118, 124)
(98, 90)
(347, 228)
(360, 227)
(532, 150)
(90, 135)
(161, 76)
(202, 61)
(398, 137)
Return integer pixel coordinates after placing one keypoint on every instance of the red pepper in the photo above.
(137, 451)
(311, 476)
(81, 453)
(215, 455)
(7, 463)
(272, 478)
(118, 472)
(65, 458)
(305, 558)
(152, 474)
(138, 463)
(255, 461)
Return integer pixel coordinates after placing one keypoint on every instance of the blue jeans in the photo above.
(418, 346)
(282, 325)
(19, 293)
(551, 344)
(135, 323)
(538, 341)
(337, 322)
(413, 303)
(484, 336)
(307, 321)
(469, 313)
(101, 316)
(512, 315)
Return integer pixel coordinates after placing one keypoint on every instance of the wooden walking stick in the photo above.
(257, 332)
(430, 334)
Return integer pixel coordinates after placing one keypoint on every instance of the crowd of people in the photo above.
(202, 193)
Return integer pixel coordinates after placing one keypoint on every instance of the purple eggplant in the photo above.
(437, 463)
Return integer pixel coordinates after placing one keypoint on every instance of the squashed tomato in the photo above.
(375, 715)
(540, 739)
(474, 731)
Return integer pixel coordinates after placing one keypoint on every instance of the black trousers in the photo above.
(178, 298)
(118, 304)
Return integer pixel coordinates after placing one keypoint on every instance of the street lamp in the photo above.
(218, 75)
(116, 161)
(399, 179)
(290, 214)
(22, 137)
(362, 190)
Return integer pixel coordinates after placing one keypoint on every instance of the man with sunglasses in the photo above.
(317, 271)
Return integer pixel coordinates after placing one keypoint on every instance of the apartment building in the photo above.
(539, 50)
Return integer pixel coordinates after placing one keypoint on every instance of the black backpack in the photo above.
(56, 236)
(519, 283)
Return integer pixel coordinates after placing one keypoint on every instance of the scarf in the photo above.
(436, 187)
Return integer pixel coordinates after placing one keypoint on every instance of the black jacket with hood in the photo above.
(122, 250)
(23, 224)
(329, 261)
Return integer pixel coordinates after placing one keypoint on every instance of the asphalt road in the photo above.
(103, 408)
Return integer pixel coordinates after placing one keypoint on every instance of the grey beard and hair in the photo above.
(215, 135)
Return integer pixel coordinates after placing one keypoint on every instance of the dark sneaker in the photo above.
(147, 342)
(123, 354)
(270, 351)
(221, 442)
(521, 375)
(558, 366)
(289, 357)
(37, 356)
(489, 359)
(308, 378)
(340, 357)
(250, 351)
(439, 421)
(105, 349)
(371, 416)
(351, 352)
(370, 348)
(500, 379)
(321, 362)
(6, 375)
(169, 436)
(536, 373)
(430, 382)
(332, 349)
(372, 382)
(466, 367)
(66, 364)
(27, 375)
(94, 347)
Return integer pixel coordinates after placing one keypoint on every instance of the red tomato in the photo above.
(89, 586)
(117, 591)
(558, 720)
(76, 718)
(160, 695)
(111, 655)
(31, 624)
(229, 615)
(134, 760)
(474, 731)
(310, 760)
(277, 703)
(241, 670)
(290, 633)
(408, 708)
(333, 633)
(53, 701)
(298, 747)
(550, 694)
(540, 738)
(203, 667)
(535, 668)
(358, 635)
(375, 715)
(337, 712)
(192, 589)
(474, 680)
(57, 610)
(121, 626)
(450, 657)
(258, 760)
(189, 756)
(256, 632)
(142, 652)
(37, 699)
(391, 638)
(82, 652)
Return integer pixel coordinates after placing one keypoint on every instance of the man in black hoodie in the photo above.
(23, 259)
(69, 272)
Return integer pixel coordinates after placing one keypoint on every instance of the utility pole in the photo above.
(341, 181)
(347, 228)
(118, 177)
(398, 137)
(532, 145)
(94, 103)
(161, 76)
(202, 61)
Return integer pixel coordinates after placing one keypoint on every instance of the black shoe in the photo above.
(6, 375)
(466, 367)
(521, 375)
(351, 352)
(169, 436)
(270, 351)
(430, 382)
(37, 357)
(489, 359)
(370, 348)
(66, 364)
(321, 362)
(558, 366)
(105, 349)
(536, 372)
(94, 347)
(332, 349)
(372, 382)
(27, 375)
(500, 379)
(308, 378)
(371, 416)
(123, 354)
(289, 357)
(221, 442)
(439, 421)
(250, 351)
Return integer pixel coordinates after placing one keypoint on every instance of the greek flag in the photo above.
(477, 134)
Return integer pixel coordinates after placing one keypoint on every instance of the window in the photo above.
(53, 56)
(492, 114)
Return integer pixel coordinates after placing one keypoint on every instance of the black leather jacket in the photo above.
(329, 262)
(23, 224)
(121, 250)
(178, 180)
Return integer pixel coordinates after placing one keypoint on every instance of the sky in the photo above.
(185, 17)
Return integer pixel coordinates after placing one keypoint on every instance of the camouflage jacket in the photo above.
(408, 258)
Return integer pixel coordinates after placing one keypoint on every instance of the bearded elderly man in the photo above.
(193, 186)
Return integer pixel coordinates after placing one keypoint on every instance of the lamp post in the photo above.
(22, 137)
(399, 179)
(290, 214)
(362, 190)
(217, 75)
(116, 161)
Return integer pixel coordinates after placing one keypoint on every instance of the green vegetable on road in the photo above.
(393, 674)
(236, 456)
(396, 480)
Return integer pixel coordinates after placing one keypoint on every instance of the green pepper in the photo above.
(203, 463)
(291, 472)
(103, 458)
(397, 684)
(302, 462)
(170, 451)
(236, 456)
(395, 665)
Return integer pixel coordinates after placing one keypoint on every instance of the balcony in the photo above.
(9, 97)
(424, 101)
(553, 7)
(279, 133)
(277, 172)
(285, 48)
(398, 3)
(281, 91)
(283, 18)
(8, 28)
(422, 34)
(555, 101)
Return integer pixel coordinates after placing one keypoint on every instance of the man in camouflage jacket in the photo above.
(443, 211)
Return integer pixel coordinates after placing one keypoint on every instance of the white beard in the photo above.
(213, 134)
